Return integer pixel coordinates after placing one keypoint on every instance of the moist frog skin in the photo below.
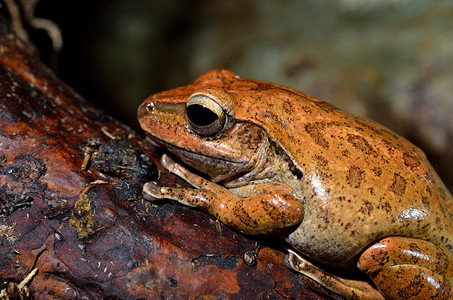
(341, 190)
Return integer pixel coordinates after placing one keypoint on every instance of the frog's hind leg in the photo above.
(408, 268)
(351, 289)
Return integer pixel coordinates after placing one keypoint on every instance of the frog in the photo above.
(343, 193)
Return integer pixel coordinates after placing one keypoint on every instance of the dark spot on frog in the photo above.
(366, 208)
(346, 227)
(411, 160)
(398, 186)
(272, 211)
(345, 153)
(439, 223)
(447, 245)
(307, 109)
(361, 144)
(322, 167)
(327, 107)
(242, 215)
(442, 193)
(424, 229)
(251, 135)
(415, 248)
(377, 171)
(355, 176)
(316, 131)
(288, 107)
(425, 201)
(386, 206)
(271, 116)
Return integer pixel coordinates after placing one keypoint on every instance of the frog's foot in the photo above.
(407, 268)
(351, 289)
(190, 197)
(152, 191)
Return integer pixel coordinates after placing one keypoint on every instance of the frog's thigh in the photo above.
(407, 268)
(351, 289)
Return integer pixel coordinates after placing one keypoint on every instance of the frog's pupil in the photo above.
(200, 115)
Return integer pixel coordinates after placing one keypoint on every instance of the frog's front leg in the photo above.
(264, 208)
(407, 268)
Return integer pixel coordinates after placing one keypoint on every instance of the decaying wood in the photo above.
(71, 208)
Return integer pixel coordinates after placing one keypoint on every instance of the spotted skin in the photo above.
(406, 268)
(331, 184)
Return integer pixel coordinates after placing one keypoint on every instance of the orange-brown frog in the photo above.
(341, 190)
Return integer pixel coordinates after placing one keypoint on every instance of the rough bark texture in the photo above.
(71, 206)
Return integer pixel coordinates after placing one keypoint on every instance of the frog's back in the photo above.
(369, 183)
(361, 181)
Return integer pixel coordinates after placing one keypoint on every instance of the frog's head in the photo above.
(198, 124)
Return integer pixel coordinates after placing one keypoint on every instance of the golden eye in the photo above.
(206, 117)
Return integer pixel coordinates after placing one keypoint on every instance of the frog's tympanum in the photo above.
(342, 191)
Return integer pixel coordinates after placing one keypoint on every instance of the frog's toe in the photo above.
(167, 162)
(294, 261)
(152, 191)
(351, 289)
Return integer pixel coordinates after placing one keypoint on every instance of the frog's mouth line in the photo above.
(177, 149)
(218, 169)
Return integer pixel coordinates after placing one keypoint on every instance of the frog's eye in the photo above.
(206, 117)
